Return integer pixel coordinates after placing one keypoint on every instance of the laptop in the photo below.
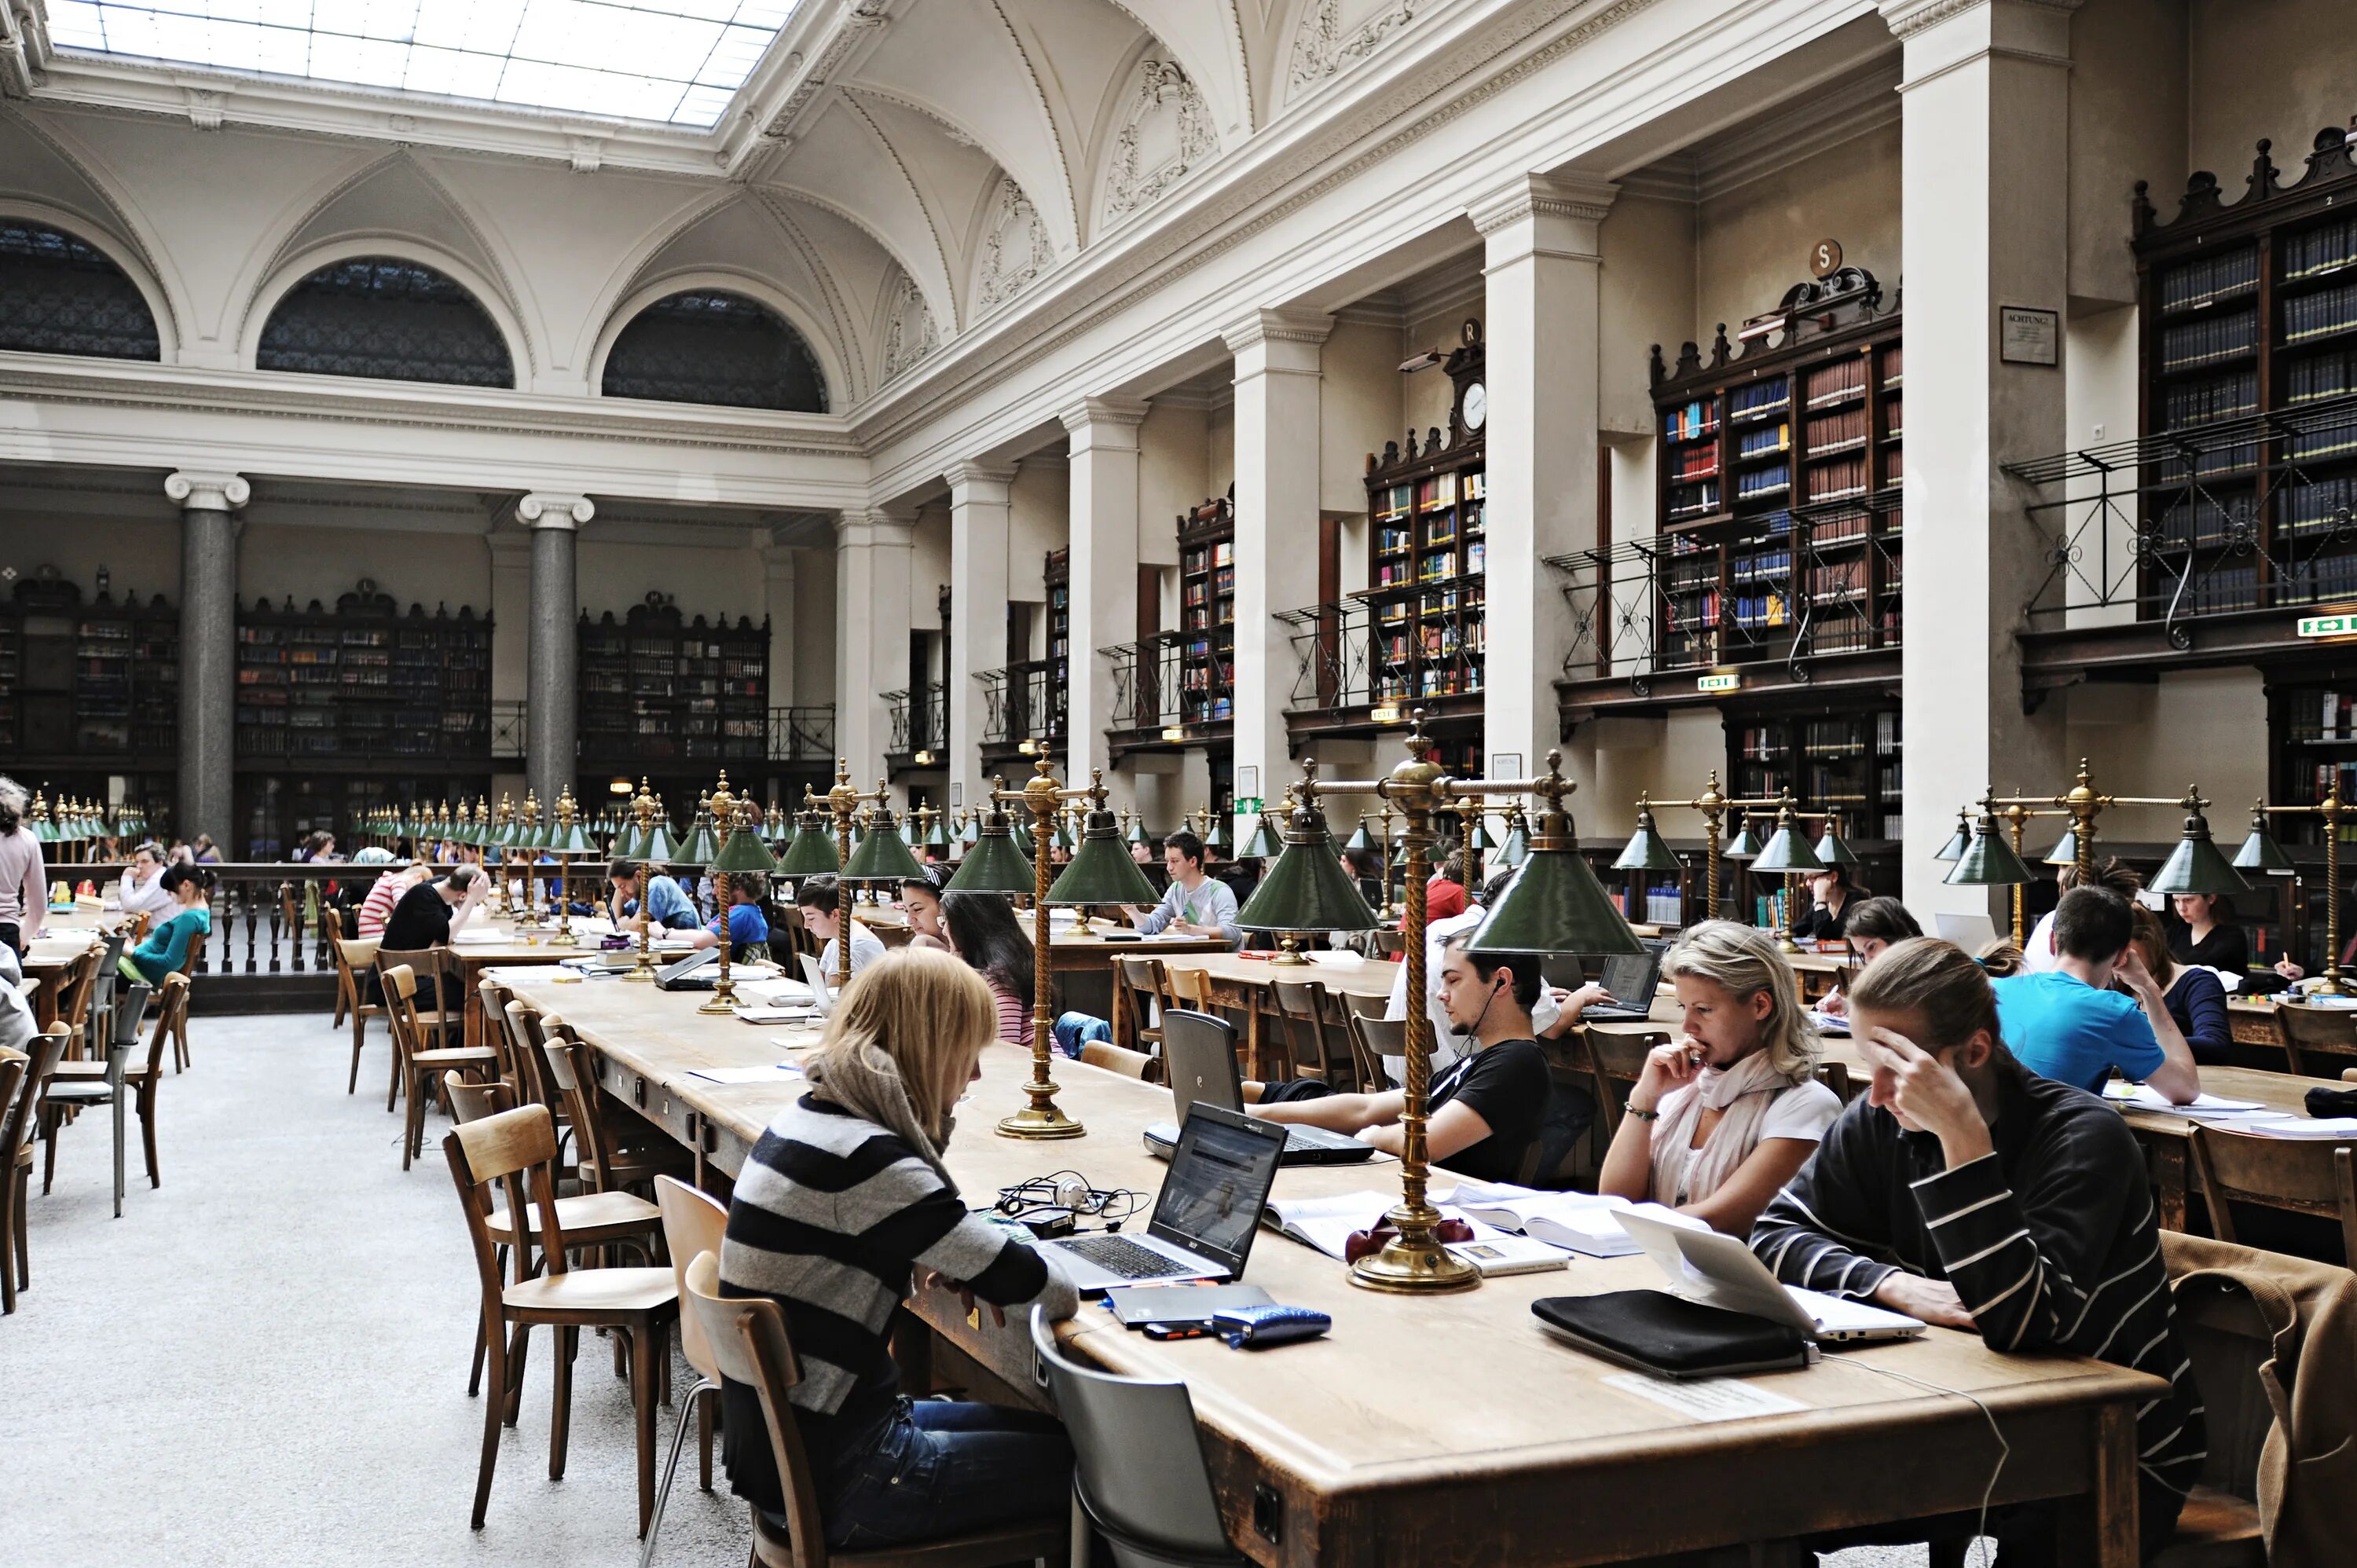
(1631, 979)
(821, 994)
(1720, 1270)
(1204, 1216)
(1198, 1054)
(1970, 932)
(699, 971)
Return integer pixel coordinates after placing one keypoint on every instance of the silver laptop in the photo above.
(1199, 1056)
(1970, 932)
(1630, 980)
(1204, 1216)
(821, 994)
(1720, 1270)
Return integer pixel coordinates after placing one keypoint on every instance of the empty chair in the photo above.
(110, 1081)
(2318, 1041)
(2305, 1176)
(605, 1165)
(1117, 1059)
(356, 958)
(1138, 1473)
(694, 1223)
(1373, 1037)
(1316, 1038)
(1137, 992)
(18, 1110)
(421, 1068)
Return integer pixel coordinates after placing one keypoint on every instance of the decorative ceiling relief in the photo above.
(908, 334)
(1166, 134)
(1015, 247)
(1336, 33)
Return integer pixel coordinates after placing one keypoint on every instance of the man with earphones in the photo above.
(1486, 1109)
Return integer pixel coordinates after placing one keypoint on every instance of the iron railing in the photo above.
(921, 720)
(2227, 516)
(1022, 702)
(1788, 588)
(507, 732)
(1172, 679)
(1388, 645)
(802, 735)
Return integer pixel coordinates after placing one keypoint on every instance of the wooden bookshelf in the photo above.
(2250, 309)
(89, 689)
(1207, 611)
(1839, 758)
(364, 685)
(658, 689)
(1428, 549)
(1056, 576)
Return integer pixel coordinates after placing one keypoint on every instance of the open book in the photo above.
(1326, 1223)
(1585, 1222)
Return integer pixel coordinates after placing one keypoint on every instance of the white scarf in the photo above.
(1742, 1093)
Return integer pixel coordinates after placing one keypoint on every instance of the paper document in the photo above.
(2144, 1097)
(478, 936)
(1703, 1399)
(1585, 1222)
(1326, 1223)
(2335, 1129)
(774, 1072)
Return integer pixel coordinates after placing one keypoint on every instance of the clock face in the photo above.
(1477, 406)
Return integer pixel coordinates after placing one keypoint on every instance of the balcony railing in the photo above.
(1021, 701)
(1787, 590)
(507, 732)
(802, 735)
(1171, 680)
(2192, 524)
(1391, 645)
(921, 722)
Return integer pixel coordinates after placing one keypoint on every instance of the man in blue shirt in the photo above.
(2068, 1023)
(666, 904)
(1197, 905)
(749, 927)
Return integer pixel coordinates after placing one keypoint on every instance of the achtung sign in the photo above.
(2343, 624)
(1734, 683)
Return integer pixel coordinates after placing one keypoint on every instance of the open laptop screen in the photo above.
(1218, 1183)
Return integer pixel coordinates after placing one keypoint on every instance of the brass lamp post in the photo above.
(845, 801)
(741, 853)
(2261, 853)
(2017, 816)
(1787, 854)
(527, 840)
(567, 842)
(1305, 887)
(811, 851)
(642, 814)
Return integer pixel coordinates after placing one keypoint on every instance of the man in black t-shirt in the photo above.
(1487, 1110)
(426, 914)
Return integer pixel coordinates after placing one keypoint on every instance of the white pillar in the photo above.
(871, 631)
(1104, 567)
(1278, 354)
(1985, 200)
(779, 581)
(1539, 243)
(552, 751)
(978, 545)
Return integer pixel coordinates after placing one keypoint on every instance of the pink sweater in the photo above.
(23, 886)
(1013, 1018)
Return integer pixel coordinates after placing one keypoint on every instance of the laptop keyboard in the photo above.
(1319, 1138)
(1120, 1255)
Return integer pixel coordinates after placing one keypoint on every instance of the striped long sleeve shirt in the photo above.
(2052, 1240)
(831, 1216)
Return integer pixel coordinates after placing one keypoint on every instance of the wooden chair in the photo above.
(1187, 987)
(331, 931)
(2307, 1176)
(493, 998)
(355, 956)
(1137, 991)
(445, 1021)
(74, 992)
(1118, 1058)
(110, 1080)
(605, 1164)
(1391, 941)
(18, 1113)
(1372, 1039)
(1316, 1036)
(2318, 1041)
(694, 1223)
(1613, 1058)
(517, 1149)
(421, 1068)
(1835, 1077)
(747, 1335)
(192, 966)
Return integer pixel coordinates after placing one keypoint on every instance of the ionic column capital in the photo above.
(208, 492)
(542, 508)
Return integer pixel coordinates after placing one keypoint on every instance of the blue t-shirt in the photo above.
(2063, 1028)
(745, 927)
(666, 904)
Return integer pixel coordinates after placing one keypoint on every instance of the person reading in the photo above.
(1871, 925)
(1483, 1113)
(2068, 1023)
(981, 929)
(747, 921)
(818, 897)
(842, 1208)
(427, 915)
(2195, 997)
(1831, 896)
(1196, 904)
(1723, 1115)
(1967, 1191)
(642, 894)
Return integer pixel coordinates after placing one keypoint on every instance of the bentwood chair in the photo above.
(2304, 1175)
(517, 1150)
(110, 1081)
(446, 1020)
(1137, 991)
(1316, 1038)
(694, 1223)
(605, 1164)
(19, 1109)
(2318, 1041)
(422, 1068)
(1138, 1476)
(192, 966)
(747, 1336)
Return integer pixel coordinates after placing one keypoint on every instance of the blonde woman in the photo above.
(844, 1207)
(1725, 1114)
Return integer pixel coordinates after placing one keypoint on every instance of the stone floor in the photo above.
(265, 1360)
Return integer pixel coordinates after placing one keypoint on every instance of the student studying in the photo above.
(2068, 1023)
(1196, 904)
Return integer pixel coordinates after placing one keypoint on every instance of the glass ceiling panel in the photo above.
(676, 61)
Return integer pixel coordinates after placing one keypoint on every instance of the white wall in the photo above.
(1752, 243)
(1645, 294)
(2205, 728)
(702, 581)
(2279, 69)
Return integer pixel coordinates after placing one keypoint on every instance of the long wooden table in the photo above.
(47, 958)
(1450, 1429)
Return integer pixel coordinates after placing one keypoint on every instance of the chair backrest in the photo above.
(1117, 1059)
(515, 1149)
(1136, 987)
(1373, 1039)
(1365, 1005)
(2309, 1034)
(1189, 987)
(421, 962)
(568, 1071)
(16, 1116)
(74, 994)
(1391, 941)
(471, 1101)
(530, 1039)
(130, 1006)
(2306, 1176)
(694, 1223)
(747, 1335)
(1835, 1077)
(401, 1006)
(1611, 1057)
(496, 998)
(172, 1018)
(1316, 1040)
(1138, 1463)
(331, 924)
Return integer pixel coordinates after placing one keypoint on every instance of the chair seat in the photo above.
(591, 1211)
(78, 1091)
(456, 1056)
(2215, 1529)
(773, 1548)
(595, 1290)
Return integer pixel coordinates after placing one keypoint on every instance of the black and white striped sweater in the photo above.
(2051, 1241)
(831, 1213)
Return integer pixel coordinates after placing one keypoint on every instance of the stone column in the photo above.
(208, 655)
(1539, 242)
(871, 632)
(1986, 198)
(1278, 357)
(552, 697)
(978, 545)
(1104, 566)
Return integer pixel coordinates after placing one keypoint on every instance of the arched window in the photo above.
(388, 319)
(708, 346)
(58, 295)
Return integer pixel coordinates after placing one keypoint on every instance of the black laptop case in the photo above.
(1670, 1336)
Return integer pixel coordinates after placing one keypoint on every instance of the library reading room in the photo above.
(850, 645)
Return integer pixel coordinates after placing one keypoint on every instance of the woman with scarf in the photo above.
(843, 1208)
(1722, 1117)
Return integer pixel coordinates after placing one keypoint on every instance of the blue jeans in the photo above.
(1075, 1029)
(938, 1468)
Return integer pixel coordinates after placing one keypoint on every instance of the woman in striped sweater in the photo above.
(844, 1199)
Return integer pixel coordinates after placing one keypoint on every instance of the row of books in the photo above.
(2190, 344)
(1844, 378)
(1838, 478)
(1755, 611)
(1695, 499)
(1758, 397)
(2319, 249)
(2185, 404)
(1698, 463)
(1763, 481)
(1759, 566)
(1764, 440)
(1832, 581)
(1843, 427)
(2321, 313)
(2335, 709)
(2319, 578)
(2333, 373)
(1662, 907)
(2317, 505)
(1691, 422)
(2206, 519)
(2207, 278)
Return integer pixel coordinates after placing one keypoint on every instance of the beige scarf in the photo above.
(1742, 1094)
(862, 1078)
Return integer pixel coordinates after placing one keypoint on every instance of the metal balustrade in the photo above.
(1362, 652)
(921, 722)
(1021, 701)
(805, 734)
(1168, 681)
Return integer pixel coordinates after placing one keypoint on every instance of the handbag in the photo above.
(1670, 1336)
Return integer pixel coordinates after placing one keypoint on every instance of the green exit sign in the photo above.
(2341, 625)
(1718, 683)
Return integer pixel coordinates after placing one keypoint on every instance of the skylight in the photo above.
(676, 61)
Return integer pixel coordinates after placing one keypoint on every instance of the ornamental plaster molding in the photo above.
(1166, 134)
(890, 528)
(208, 492)
(973, 474)
(1323, 45)
(1015, 250)
(863, 26)
(910, 333)
(1089, 416)
(1907, 17)
(1575, 197)
(1287, 326)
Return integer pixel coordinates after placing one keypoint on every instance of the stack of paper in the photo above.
(1585, 1222)
(774, 1072)
(2144, 1097)
(2335, 1129)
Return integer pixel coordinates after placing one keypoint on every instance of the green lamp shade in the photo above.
(744, 853)
(1266, 844)
(1217, 840)
(937, 836)
(812, 853)
(2066, 849)
(995, 863)
(2261, 853)
(1517, 847)
(1832, 849)
(1478, 841)
(1306, 889)
(2197, 865)
(570, 841)
(1137, 833)
(1646, 850)
(908, 831)
(1362, 838)
(632, 843)
(702, 843)
(1744, 846)
(882, 857)
(1958, 842)
(658, 845)
(1554, 905)
(1102, 871)
(1786, 854)
(1987, 861)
